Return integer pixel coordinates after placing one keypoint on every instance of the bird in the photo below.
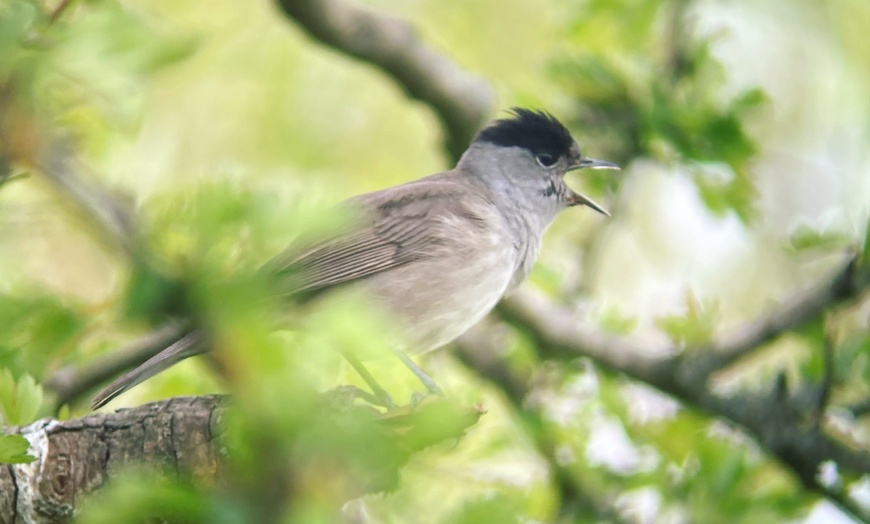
(440, 251)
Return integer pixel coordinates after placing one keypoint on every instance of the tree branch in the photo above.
(115, 221)
(560, 335)
(75, 457)
(782, 424)
(461, 101)
(59, 10)
(789, 433)
(180, 437)
(846, 284)
(859, 409)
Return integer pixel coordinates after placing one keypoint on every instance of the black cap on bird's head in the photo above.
(536, 131)
(548, 140)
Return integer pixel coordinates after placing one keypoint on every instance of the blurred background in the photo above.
(743, 132)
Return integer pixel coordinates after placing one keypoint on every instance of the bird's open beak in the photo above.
(594, 163)
(578, 199)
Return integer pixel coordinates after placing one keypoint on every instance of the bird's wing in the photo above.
(397, 225)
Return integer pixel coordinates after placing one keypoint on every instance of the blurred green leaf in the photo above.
(852, 362)
(614, 321)
(142, 496)
(16, 19)
(123, 40)
(20, 401)
(13, 450)
(664, 105)
(502, 508)
(813, 335)
(807, 239)
(431, 422)
(154, 296)
(696, 327)
(38, 328)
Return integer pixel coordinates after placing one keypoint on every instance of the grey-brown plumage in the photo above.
(440, 251)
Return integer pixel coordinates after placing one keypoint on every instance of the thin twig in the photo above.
(824, 394)
(111, 215)
(59, 10)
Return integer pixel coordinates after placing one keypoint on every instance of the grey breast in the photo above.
(466, 266)
(435, 251)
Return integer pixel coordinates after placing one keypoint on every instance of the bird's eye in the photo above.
(545, 160)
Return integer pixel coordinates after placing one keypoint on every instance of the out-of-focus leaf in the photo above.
(13, 450)
(124, 40)
(154, 296)
(806, 239)
(500, 508)
(86, 77)
(20, 401)
(737, 194)
(16, 19)
(662, 105)
(852, 361)
(146, 496)
(696, 327)
(431, 422)
(547, 279)
(36, 330)
(614, 321)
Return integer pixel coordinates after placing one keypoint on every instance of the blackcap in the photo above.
(440, 251)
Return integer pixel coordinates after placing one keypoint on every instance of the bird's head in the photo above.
(533, 151)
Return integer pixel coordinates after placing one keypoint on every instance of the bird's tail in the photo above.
(188, 345)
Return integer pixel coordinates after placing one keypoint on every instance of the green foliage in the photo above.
(86, 76)
(17, 18)
(97, 74)
(696, 327)
(39, 329)
(664, 104)
(148, 496)
(13, 450)
(21, 400)
(807, 240)
(813, 335)
(647, 86)
(229, 226)
(614, 321)
(153, 295)
(713, 469)
(500, 508)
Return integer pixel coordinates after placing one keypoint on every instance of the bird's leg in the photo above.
(420, 374)
(358, 393)
(380, 394)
